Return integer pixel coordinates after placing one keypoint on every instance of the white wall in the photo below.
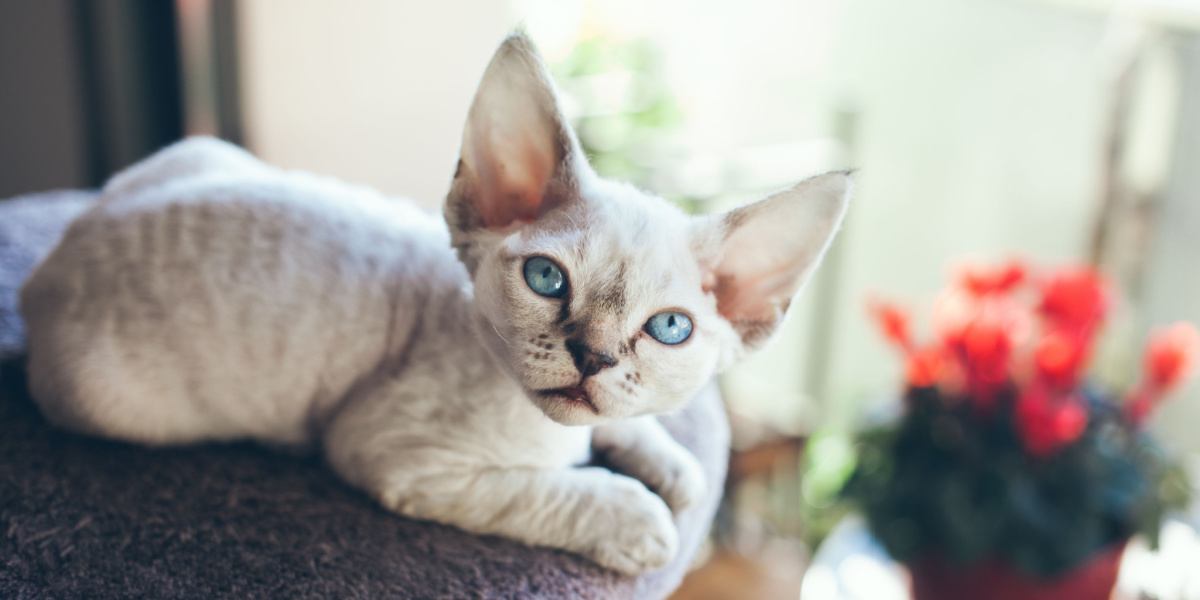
(1173, 278)
(372, 91)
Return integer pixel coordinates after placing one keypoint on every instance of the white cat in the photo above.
(458, 371)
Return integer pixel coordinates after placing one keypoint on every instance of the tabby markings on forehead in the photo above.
(610, 297)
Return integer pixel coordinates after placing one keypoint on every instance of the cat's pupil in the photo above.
(671, 322)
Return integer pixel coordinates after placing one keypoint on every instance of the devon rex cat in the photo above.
(458, 371)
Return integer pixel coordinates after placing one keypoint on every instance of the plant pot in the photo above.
(935, 579)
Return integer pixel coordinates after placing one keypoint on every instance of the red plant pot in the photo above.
(935, 579)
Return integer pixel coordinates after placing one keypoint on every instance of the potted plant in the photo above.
(1008, 475)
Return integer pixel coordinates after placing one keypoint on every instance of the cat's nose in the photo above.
(588, 361)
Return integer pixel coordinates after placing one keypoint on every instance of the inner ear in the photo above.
(759, 256)
(518, 157)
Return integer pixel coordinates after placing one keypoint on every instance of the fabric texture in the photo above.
(84, 517)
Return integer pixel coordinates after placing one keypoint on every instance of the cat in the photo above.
(458, 370)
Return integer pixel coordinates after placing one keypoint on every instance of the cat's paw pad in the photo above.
(640, 537)
(682, 483)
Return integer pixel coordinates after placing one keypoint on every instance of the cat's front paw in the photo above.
(681, 482)
(640, 535)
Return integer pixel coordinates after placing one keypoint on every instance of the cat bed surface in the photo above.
(83, 517)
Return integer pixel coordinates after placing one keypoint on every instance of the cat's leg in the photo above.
(642, 448)
(611, 519)
(391, 443)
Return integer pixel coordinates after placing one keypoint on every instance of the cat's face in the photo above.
(602, 301)
(599, 310)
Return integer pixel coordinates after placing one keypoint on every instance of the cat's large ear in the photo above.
(519, 158)
(760, 255)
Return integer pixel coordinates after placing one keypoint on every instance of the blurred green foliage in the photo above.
(829, 461)
(623, 105)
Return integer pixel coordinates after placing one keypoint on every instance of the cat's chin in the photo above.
(573, 405)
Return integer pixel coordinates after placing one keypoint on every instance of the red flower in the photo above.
(1046, 422)
(986, 346)
(1058, 359)
(1170, 355)
(953, 310)
(988, 281)
(894, 322)
(925, 367)
(1076, 300)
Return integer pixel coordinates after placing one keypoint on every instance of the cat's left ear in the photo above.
(519, 158)
(760, 255)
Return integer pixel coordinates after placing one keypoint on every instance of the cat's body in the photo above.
(210, 296)
(172, 303)
(257, 330)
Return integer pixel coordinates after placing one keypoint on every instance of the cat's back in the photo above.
(216, 293)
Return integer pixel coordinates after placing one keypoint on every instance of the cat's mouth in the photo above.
(576, 395)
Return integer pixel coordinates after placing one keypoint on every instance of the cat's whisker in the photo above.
(501, 336)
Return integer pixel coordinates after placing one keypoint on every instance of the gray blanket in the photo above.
(90, 518)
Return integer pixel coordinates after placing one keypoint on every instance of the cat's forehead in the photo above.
(617, 226)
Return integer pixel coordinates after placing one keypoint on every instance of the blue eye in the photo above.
(545, 278)
(669, 327)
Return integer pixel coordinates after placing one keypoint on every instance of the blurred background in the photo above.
(1057, 130)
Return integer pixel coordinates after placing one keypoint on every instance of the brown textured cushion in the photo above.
(83, 517)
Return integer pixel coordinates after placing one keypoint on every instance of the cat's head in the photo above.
(601, 300)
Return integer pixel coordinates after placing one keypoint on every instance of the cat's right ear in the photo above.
(519, 158)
